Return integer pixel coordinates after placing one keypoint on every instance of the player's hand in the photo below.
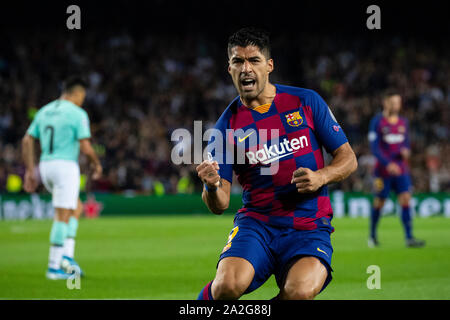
(306, 180)
(97, 172)
(405, 153)
(30, 183)
(393, 169)
(208, 172)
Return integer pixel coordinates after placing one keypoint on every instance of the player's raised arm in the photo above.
(86, 148)
(216, 191)
(28, 158)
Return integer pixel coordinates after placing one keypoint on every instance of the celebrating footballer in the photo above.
(284, 225)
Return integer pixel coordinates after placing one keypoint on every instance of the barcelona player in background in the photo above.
(389, 142)
(284, 226)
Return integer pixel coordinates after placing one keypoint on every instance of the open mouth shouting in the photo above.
(248, 84)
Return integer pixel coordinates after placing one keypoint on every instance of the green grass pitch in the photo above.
(173, 257)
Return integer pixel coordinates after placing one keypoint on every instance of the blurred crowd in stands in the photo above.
(142, 87)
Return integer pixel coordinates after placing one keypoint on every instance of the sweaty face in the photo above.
(250, 70)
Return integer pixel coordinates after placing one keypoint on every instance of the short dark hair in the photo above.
(389, 93)
(74, 81)
(250, 36)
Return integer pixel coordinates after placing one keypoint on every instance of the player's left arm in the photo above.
(405, 150)
(343, 164)
(87, 149)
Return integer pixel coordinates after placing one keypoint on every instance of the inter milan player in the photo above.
(62, 128)
(284, 225)
(389, 142)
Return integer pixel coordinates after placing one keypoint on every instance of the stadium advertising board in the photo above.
(22, 207)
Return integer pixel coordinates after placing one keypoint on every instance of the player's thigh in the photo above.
(305, 279)
(252, 263)
(403, 186)
(382, 187)
(46, 173)
(292, 250)
(66, 185)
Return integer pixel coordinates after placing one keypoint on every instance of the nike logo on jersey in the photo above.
(242, 139)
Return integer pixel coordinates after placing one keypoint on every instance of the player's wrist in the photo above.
(210, 188)
(30, 169)
(323, 180)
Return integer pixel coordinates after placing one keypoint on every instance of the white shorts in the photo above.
(62, 179)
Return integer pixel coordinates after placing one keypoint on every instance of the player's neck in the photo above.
(265, 97)
(392, 118)
(68, 98)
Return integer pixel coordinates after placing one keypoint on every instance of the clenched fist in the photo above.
(207, 171)
(306, 180)
(394, 169)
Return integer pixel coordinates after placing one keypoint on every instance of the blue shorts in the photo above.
(399, 184)
(273, 250)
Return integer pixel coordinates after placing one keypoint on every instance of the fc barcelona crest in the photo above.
(294, 119)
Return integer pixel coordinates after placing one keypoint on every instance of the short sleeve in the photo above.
(33, 129)
(83, 130)
(328, 131)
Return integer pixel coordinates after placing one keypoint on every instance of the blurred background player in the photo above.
(389, 142)
(62, 128)
(284, 226)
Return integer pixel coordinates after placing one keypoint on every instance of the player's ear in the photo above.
(229, 68)
(270, 65)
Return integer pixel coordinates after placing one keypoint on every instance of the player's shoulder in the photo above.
(48, 106)
(305, 95)
(231, 109)
(403, 120)
(376, 118)
(308, 97)
(73, 109)
(45, 108)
